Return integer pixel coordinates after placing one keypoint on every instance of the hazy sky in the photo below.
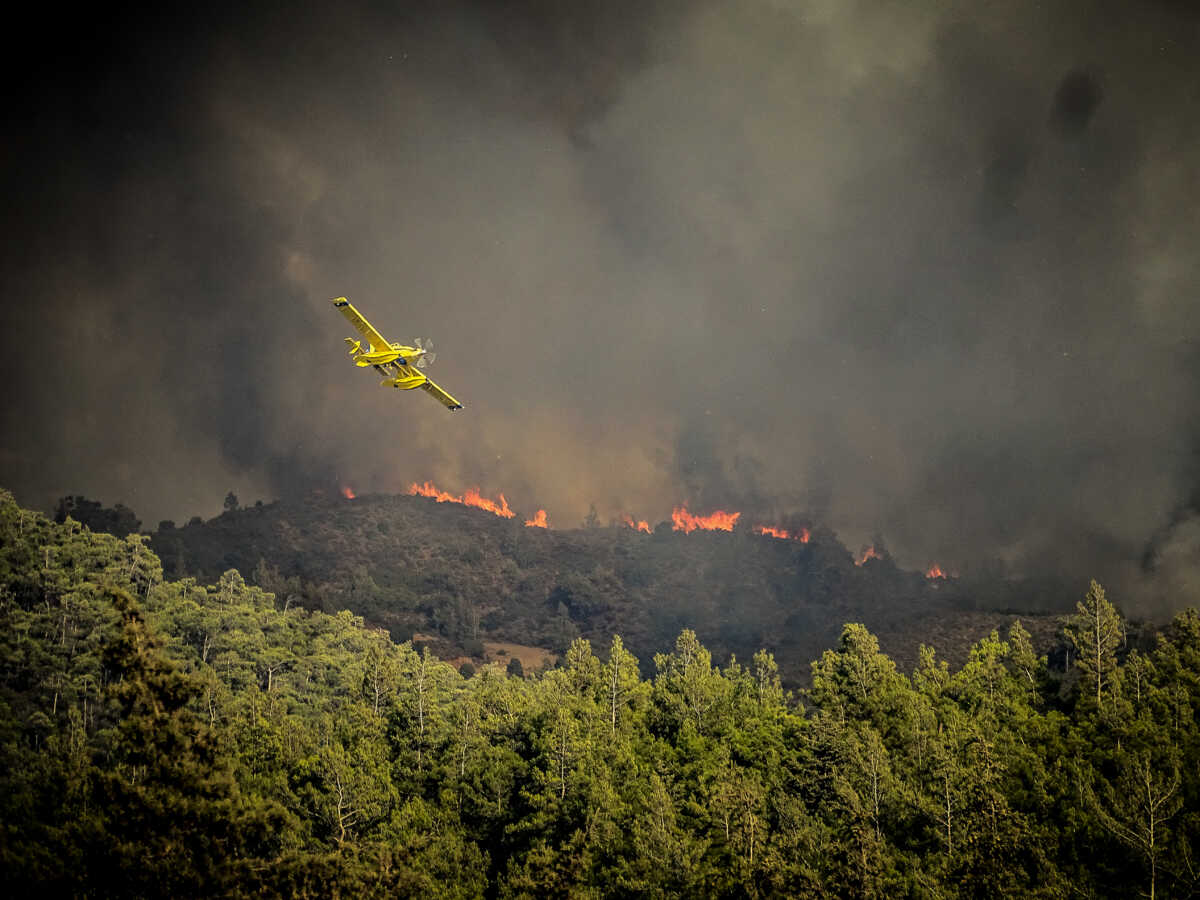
(923, 272)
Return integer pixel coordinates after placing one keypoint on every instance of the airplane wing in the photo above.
(361, 325)
(431, 388)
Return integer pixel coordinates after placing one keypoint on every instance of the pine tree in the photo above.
(1138, 806)
(167, 818)
(1095, 632)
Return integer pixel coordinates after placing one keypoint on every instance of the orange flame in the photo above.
(538, 521)
(770, 531)
(783, 534)
(348, 492)
(639, 525)
(719, 520)
(471, 498)
(428, 490)
(868, 553)
(935, 571)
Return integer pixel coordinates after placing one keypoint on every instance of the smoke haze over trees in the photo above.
(920, 271)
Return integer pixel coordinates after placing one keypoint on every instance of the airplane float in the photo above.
(400, 363)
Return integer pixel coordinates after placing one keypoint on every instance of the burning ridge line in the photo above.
(681, 520)
(471, 498)
(783, 534)
(719, 520)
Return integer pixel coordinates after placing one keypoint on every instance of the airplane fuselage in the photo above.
(399, 372)
(397, 353)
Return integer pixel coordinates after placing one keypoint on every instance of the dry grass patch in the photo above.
(532, 658)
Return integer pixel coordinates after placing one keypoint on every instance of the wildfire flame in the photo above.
(868, 553)
(470, 498)
(719, 520)
(769, 531)
(681, 520)
(348, 492)
(783, 534)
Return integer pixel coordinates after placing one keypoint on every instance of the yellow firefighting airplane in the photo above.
(397, 361)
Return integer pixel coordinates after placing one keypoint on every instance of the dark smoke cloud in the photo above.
(921, 273)
(1075, 102)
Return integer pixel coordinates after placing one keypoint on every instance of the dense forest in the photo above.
(178, 738)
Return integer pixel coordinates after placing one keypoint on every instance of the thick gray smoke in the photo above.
(926, 271)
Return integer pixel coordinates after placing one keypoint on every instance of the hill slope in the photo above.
(460, 576)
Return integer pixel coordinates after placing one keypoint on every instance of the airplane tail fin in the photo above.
(355, 346)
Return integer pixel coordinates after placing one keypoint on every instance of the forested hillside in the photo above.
(458, 576)
(172, 738)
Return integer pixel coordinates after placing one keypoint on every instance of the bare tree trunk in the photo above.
(562, 766)
(949, 816)
(613, 691)
(421, 673)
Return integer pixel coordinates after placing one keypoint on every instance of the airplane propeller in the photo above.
(429, 356)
